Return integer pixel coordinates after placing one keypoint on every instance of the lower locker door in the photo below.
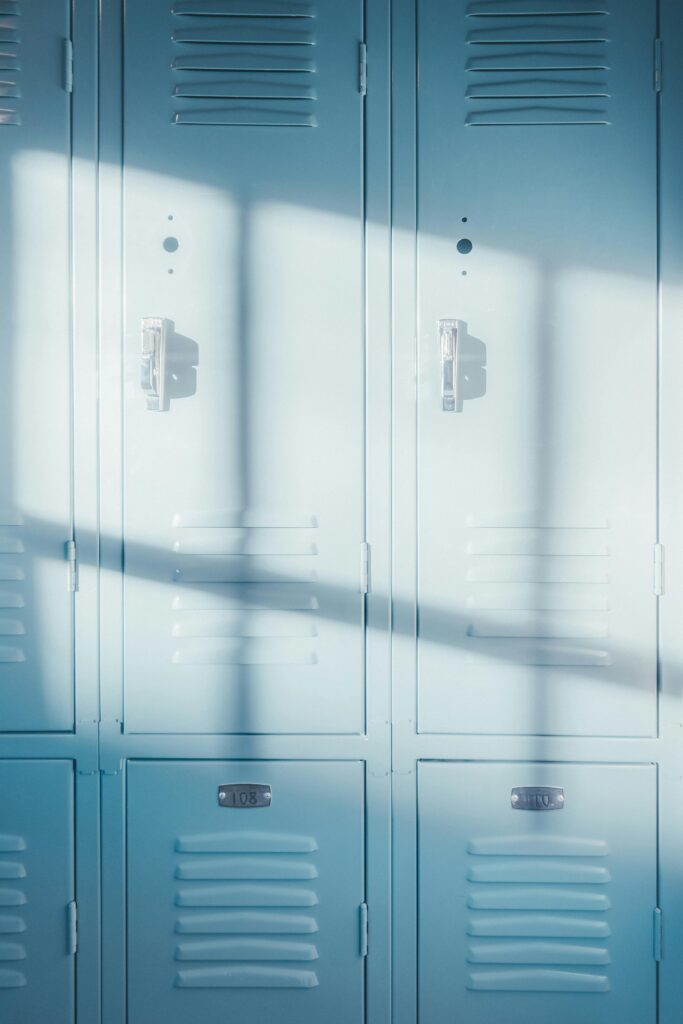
(537, 916)
(36, 892)
(245, 908)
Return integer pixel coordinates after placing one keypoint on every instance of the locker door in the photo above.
(538, 391)
(531, 915)
(244, 400)
(36, 892)
(36, 689)
(240, 911)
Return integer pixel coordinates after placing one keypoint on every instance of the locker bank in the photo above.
(341, 492)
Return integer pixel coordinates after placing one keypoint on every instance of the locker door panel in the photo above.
(240, 912)
(537, 492)
(243, 501)
(36, 888)
(36, 687)
(537, 915)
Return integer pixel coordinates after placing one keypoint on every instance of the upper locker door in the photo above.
(244, 414)
(36, 677)
(537, 424)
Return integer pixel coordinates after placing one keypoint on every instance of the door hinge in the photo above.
(363, 924)
(362, 69)
(72, 925)
(658, 65)
(68, 66)
(657, 934)
(72, 566)
(364, 567)
(659, 570)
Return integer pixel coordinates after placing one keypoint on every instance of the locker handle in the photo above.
(448, 340)
(155, 331)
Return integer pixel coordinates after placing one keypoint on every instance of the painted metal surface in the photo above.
(537, 493)
(37, 949)
(244, 465)
(36, 660)
(556, 271)
(248, 912)
(537, 915)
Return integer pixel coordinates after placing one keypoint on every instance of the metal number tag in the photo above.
(537, 798)
(242, 796)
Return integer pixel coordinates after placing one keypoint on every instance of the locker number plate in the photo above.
(537, 798)
(244, 795)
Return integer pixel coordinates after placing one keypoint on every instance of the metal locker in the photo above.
(538, 896)
(246, 892)
(243, 405)
(36, 685)
(37, 912)
(537, 368)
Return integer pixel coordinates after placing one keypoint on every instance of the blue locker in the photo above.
(36, 673)
(37, 912)
(246, 892)
(537, 486)
(537, 893)
(243, 407)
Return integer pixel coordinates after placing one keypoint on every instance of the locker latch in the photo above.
(72, 927)
(72, 566)
(155, 332)
(448, 340)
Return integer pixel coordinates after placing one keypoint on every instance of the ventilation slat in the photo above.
(528, 34)
(532, 60)
(534, 8)
(253, 34)
(271, 58)
(537, 116)
(256, 87)
(242, 9)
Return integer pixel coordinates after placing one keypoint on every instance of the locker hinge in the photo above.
(658, 65)
(72, 564)
(364, 567)
(659, 570)
(68, 66)
(72, 925)
(657, 934)
(362, 69)
(363, 924)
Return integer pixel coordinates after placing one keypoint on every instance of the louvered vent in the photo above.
(12, 920)
(10, 63)
(538, 914)
(244, 62)
(246, 911)
(246, 590)
(539, 593)
(12, 584)
(537, 62)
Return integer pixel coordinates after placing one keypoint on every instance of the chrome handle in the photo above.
(448, 339)
(155, 331)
